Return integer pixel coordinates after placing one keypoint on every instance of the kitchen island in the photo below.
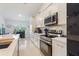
(12, 49)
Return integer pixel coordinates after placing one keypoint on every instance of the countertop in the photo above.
(10, 50)
(61, 39)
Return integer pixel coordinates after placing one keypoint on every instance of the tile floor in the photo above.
(27, 48)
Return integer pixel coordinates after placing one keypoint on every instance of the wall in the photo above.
(2, 24)
(2, 21)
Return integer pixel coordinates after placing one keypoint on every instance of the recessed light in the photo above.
(20, 15)
(25, 3)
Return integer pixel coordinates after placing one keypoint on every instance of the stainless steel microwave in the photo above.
(51, 20)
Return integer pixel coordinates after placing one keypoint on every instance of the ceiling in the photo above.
(15, 11)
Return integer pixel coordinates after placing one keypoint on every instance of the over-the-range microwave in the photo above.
(51, 20)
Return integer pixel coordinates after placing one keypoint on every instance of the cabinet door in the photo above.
(62, 14)
(37, 40)
(59, 49)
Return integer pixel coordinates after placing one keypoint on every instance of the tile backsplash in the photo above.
(62, 27)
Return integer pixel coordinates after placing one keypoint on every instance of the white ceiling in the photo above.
(12, 10)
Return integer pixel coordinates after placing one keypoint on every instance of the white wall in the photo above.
(2, 21)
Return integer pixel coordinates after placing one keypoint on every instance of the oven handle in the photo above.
(46, 42)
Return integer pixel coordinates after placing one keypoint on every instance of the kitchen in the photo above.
(50, 16)
(43, 20)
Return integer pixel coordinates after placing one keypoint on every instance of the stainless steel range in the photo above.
(46, 45)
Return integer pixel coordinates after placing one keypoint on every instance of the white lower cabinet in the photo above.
(58, 48)
(36, 39)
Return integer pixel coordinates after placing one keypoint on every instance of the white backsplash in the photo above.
(62, 27)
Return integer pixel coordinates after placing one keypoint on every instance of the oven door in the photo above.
(46, 48)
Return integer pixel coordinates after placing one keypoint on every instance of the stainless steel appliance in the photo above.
(46, 41)
(46, 45)
(51, 20)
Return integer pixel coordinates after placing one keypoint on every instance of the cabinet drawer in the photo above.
(59, 49)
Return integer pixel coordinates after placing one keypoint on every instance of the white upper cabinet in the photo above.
(50, 10)
(38, 21)
(61, 9)
(62, 13)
